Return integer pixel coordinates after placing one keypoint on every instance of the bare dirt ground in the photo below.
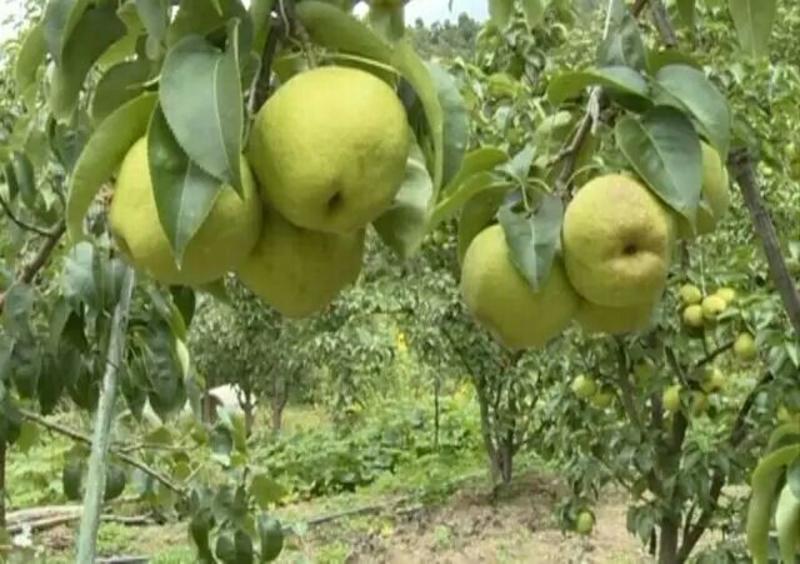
(470, 527)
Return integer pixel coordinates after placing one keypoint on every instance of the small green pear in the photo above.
(602, 399)
(671, 398)
(745, 347)
(715, 195)
(584, 387)
(713, 306)
(584, 523)
(693, 316)
(690, 294)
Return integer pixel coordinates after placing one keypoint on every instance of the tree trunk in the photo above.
(668, 548)
(495, 469)
(3, 448)
(436, 415)
(280, 397)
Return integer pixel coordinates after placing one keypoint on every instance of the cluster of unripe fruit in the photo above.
(327, 153)
(617, 243)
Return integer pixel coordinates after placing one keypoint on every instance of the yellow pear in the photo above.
(713, 306)
(745, 347)
(329, 149)
(671, 398)
(584, 387)
(502, 300)
(693, 316)
(715, 195)
(220, 245)
(727, 294)
(595, 318)
(691, 294)
(298, 271)
(617, 240)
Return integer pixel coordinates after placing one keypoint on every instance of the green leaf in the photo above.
(686, 9)
(793, 477)
(519, 166)
(387, 20)
(689, 89)
(102, 155)
(456, 123)
(205, 19)
(72, 478)
(184, 193)
(115, 482)
(168, 312)
(623, 46)
(331, 27)
(52, 379)
(617, 79)
(533, 238)
(29, 59)
(534, 12)
(270, 534)
(185, 301)
(78, 279)
(664, 149)
(500, 12)
(97, 30)
(470, 187)
(657, 59)
(266, 491)
(259, 14)
(477, 214)
(200, 93)
(26, 367)
(60, 19)
(24, 178)
(753, 20)
(19, 299)
(413, 69)
(479, 160)
(200, 530)
(404, 225)
(155, 17)
(28, 436)
(119, 84)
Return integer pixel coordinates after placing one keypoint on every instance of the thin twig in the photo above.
(714, 354)
(80, 437)
(22, 224)
(279, 29)
(742, 166)
(39, 260)
(663, 23)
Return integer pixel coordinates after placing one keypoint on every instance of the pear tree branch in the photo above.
(742, 166)
(22, 224)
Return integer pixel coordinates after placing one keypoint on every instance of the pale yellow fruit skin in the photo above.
(691, 294)
(693, 316)
(745, 347)
(329, 149)
(671, 399)
(220, 245)
(618, 241)
(298, 271)
(584, 387)
(715, 193)
(501, 300)
(727, 294)
(713, 306)
(595, 318)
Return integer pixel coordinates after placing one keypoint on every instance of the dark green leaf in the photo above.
(185, 300)
(97, 30)
(689, 89)
(29, 59)
(60, 19)
(115, 482)
(210, 19)
(102, 155)
(533, 238)
(184, 193)
(753, 20)
(200, 529)
(331, 27)
(120, 84)
(270, 533)
(617, 79)
(16, 313)
(477, 214)
(26, 368)
(664, 149)
(72, 478)
(24, 178)
(623, 45)
(456, 124)
(78, 279)
(475, 184)
(51, 383)
(154, 15)
(200, 94)
(259, 14)
(404, 225)
(793, 477)
(28, 436)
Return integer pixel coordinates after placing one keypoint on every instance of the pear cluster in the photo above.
(617, 243)
(326, 156)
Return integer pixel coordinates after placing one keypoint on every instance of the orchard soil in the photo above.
(471, 526)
